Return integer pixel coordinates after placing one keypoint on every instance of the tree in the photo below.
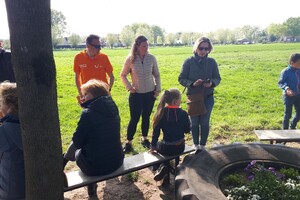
(293, 26)
(156, 32)
(127, 36)
(186, 38)
(195, 36)
(74, 40)
(33, 64)
(58, 26)
(250, 32)
(278, 30)
(222, 36)
(112, 39)
(146, 32)
(136, 26)
(171, 39)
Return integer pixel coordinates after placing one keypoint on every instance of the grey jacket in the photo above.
(12, 171)
(195, 68)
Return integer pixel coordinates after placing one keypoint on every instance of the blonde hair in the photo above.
(201, 40)
(9, 97)
(166, 98)
(137, 42)
(96, 87)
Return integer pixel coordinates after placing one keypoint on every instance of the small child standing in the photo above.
(289, 82)
(174, 122)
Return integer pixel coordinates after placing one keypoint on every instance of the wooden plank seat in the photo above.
(77, 179)
(278, 136)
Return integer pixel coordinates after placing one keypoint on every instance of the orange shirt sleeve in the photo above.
(108, 66)
(76, 67)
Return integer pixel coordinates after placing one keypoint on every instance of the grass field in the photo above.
(246, 99)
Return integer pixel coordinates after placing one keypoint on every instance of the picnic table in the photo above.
(278, 135)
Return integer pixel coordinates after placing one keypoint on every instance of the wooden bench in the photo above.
(77, 179)
(278, 135)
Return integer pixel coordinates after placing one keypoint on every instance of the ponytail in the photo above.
(166, 98)
(160, 108)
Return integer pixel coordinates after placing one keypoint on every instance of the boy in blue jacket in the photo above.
(289, 82)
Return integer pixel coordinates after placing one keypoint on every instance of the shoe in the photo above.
(202, 147)
(166, 180)
(196, 147)
(92, 189)
(146, 144)
(127, 148)
(155, 167)
(161, 173)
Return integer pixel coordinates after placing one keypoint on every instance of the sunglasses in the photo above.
(96, 46)
(203, 48)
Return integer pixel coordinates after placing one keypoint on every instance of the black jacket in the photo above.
(98, 136)
(174, 123)
(6, 71)
(12, 170)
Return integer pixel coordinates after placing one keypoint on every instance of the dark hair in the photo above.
(294, 57)
(137, 42)
(91, 37)
(166, 98)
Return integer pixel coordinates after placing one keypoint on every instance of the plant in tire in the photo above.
(257, 182)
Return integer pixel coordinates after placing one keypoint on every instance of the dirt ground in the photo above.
(122, 188)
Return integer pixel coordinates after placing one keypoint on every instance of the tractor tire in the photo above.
(199, 174)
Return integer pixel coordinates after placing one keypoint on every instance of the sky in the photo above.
(101, 17)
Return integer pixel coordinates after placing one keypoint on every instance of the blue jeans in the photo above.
(201, 123)
(289, 102)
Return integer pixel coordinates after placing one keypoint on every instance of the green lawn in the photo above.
(247, 98)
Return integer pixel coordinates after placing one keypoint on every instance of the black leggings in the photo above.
(140, 104)
(170, 150)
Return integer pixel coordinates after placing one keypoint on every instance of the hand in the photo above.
(207, 85)
(80, 99)
(152, 151)
(289, 92)
(156, 94)
(198, 82)
(132, 90)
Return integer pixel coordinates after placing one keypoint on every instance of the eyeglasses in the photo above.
(203, 48)
(96, 46)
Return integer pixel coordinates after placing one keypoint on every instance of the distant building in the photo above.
(243, 41)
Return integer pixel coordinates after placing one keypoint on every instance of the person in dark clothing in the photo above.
(6, 71)
(12, 170)
(96, 144)
(174, 123)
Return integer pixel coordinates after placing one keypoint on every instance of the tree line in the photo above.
(288, 31)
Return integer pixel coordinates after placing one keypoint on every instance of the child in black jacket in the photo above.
(174, 123)
(96, 145)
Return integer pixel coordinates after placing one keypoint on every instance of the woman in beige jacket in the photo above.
(144, 87)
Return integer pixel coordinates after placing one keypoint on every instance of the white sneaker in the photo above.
(196, 147)
(202, 147)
